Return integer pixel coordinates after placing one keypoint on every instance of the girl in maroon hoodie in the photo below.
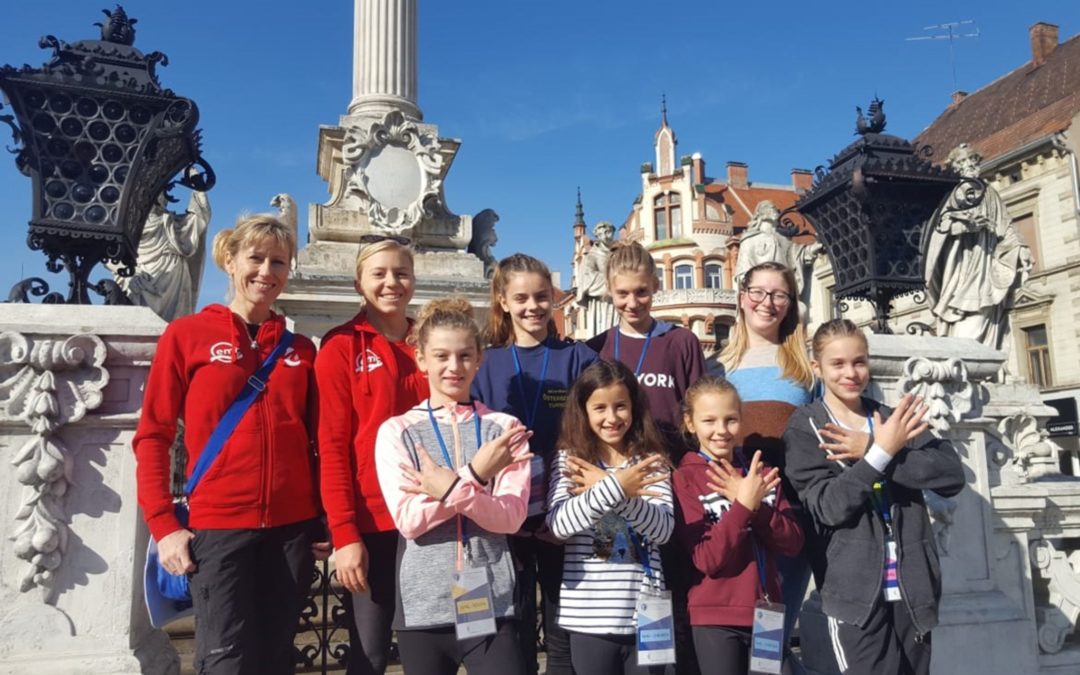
(367, 373)
(731, 516)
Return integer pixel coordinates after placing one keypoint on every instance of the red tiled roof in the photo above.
(1025, 105)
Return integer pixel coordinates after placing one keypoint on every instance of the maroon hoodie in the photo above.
(720, 538)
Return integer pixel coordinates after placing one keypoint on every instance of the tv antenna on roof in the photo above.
(952, 32)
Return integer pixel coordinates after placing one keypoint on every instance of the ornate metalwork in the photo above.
(919, 328)
(100, 139)
(869, 210)
(322, 642)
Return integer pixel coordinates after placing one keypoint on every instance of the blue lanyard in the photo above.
(449, 461)
(832, 415)
(530, 414)
(644, 349)
(642, 552)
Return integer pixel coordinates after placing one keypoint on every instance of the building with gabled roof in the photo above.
(691, 223)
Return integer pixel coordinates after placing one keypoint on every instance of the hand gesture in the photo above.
(174, 554)
(501, 452)
(748, 490)
(351, 563)
(583, 474)
(637, 478)
(431, 479)
(844, 444)
(904, 424)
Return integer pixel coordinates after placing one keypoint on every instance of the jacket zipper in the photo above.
(919, 632)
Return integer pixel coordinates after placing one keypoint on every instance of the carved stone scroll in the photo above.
(943, 386)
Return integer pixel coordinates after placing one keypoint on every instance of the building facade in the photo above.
(691, 223)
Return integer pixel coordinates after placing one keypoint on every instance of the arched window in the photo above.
(667, 211)
(713, 276)
(684, 276)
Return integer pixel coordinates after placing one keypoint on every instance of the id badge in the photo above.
(474, 607)
(892, 586)
(655, 629)
(767, 646)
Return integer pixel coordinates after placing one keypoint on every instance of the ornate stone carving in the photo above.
(286, 207)
(1028, 452)
(46, 383)
(591, 282)
(395, 168)
(943, 386)
(1058, 620)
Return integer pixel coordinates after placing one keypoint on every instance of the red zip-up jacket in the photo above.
(364, 380)
(725, 582)
(265, 474)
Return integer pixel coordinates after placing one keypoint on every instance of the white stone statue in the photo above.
(592, 294)
(974, 259)
(286, 207)
(763, 243)
(172, 251)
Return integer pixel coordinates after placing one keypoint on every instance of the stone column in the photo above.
(384, 58)
(73, 544)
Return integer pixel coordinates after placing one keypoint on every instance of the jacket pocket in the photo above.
(854, 569)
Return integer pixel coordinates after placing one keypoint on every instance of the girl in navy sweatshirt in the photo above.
(527, 372)
(732, 519)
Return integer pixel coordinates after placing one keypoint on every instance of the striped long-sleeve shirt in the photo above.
(603, 574)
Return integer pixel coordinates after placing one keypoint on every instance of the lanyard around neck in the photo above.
(834, 418)
(439, 436)
(530, 413)
(644, 348)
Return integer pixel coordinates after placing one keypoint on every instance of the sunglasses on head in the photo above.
(376, 238)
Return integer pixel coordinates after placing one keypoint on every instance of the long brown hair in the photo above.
(500, 329)
(791, 356)
(577, 437)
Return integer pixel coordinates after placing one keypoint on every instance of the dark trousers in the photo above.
(248, 591)
(677, 574)
(373, 610)
(610, 655)
(888, 644)
(437, 651)
(540, 561)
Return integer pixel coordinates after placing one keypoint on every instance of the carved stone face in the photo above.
(966, 163)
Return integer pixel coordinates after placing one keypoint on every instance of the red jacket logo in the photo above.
(291, 358)
(373, 362)
(222, 352)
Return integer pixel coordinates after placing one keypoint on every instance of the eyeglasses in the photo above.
(758, 295)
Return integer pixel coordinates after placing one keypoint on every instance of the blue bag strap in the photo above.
(252, 388)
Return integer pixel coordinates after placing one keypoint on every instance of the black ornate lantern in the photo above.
(101, 140)
(869, 210)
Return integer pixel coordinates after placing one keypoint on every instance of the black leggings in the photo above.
(437, 651)
(373, 611)
(726, 649)
(540, 561)
(610, 655)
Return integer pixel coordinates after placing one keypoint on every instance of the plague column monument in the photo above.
(385, 169)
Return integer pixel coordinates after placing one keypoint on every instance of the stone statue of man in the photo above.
(763, 243)
(592, 295)
(974, 259)
(172, 251)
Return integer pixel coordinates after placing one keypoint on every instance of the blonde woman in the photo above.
(248, 545)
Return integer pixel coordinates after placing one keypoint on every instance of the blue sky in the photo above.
(545, 96)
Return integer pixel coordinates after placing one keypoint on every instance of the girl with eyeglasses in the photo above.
(767, 362)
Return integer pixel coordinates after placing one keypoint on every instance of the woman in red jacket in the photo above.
(367, 374)
(248, 548)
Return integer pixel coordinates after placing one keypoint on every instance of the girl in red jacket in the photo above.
(731, 516)
(367, 374)
(253, 517)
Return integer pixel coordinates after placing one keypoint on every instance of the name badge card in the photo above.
(767, 647)
(655, 629)
(474, 607)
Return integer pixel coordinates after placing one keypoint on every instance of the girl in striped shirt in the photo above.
(610, 499)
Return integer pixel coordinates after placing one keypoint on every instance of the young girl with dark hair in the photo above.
(527, 372)
(613, 516)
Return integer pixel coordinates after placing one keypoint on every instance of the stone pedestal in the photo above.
(71, 387)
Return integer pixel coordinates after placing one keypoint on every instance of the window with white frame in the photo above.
(713, 276)
(684, 276)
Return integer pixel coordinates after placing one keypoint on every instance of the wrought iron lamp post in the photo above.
(100, 139)
(869, 210)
